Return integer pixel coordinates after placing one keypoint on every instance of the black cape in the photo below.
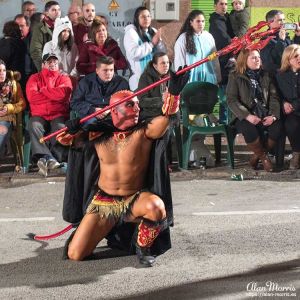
(81, 183)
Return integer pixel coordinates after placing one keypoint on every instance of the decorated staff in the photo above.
(253, 39)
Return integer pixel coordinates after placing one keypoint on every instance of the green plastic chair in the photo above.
(200, 98)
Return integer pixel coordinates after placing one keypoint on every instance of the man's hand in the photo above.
(103, 115)
(65, 138)
(73, 125)
(282, 34)
(288, 108)
(171, 104)
(177, 82)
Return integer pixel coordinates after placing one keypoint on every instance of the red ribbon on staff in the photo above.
(252, 40)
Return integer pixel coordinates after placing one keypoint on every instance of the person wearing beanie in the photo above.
(62, 44)
(239, 17)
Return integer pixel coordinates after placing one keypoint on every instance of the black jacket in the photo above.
(12, 53)
(289, 87)
(221, 29)
(92, 92)
(272, 53)
(151, 101)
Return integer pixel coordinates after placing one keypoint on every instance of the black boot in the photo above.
(144, 256)
(147, 232)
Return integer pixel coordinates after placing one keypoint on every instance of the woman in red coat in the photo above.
(100, 44)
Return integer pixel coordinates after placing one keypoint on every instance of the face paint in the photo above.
(126, 114)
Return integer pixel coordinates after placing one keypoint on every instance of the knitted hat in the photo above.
(60, 25)
(243, 1)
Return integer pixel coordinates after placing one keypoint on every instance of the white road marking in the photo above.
(3, 220)
(246, 212)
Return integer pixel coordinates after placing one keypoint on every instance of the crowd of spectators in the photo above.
(69, 64)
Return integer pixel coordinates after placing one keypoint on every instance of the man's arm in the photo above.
(159, 125)
(61, 92)
(34, 95)
(78, 103)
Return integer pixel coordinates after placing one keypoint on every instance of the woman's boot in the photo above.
(270, 144)
(295, 161)
(254, 159)
(259, 152)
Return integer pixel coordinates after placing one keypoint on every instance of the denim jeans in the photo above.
(5, 130)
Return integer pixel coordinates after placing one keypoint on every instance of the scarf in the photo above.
(5, 92)
(49, 22)
(256, 89)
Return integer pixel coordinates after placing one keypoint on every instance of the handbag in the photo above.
(259, 109)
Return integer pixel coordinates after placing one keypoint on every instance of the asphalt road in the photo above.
(231, 239)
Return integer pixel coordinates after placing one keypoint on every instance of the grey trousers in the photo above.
(39, 127)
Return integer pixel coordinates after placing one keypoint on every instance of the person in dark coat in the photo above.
(221, 29)
(157, 68)
(100, 44)
(152, 101)
(288, 81)
(254, 101)
(42, 32)
(271, 54)
(12, 48)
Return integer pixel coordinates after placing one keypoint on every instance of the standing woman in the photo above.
(141, 41)
(100, 44)
(288, 80)
(63, 46)
(193, 44)
(11, 103)
(253, 99)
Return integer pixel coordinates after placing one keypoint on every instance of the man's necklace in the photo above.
(121, 139)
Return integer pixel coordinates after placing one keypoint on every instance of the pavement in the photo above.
(231, 240)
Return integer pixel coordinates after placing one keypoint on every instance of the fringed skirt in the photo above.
(112, 207)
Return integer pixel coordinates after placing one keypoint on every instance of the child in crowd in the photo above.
(239, 17)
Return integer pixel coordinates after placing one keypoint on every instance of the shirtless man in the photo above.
(121, 197)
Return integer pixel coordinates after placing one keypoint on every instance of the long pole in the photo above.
(246, 41)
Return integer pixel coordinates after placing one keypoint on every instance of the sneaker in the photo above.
(42, 165)
(52, 164)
